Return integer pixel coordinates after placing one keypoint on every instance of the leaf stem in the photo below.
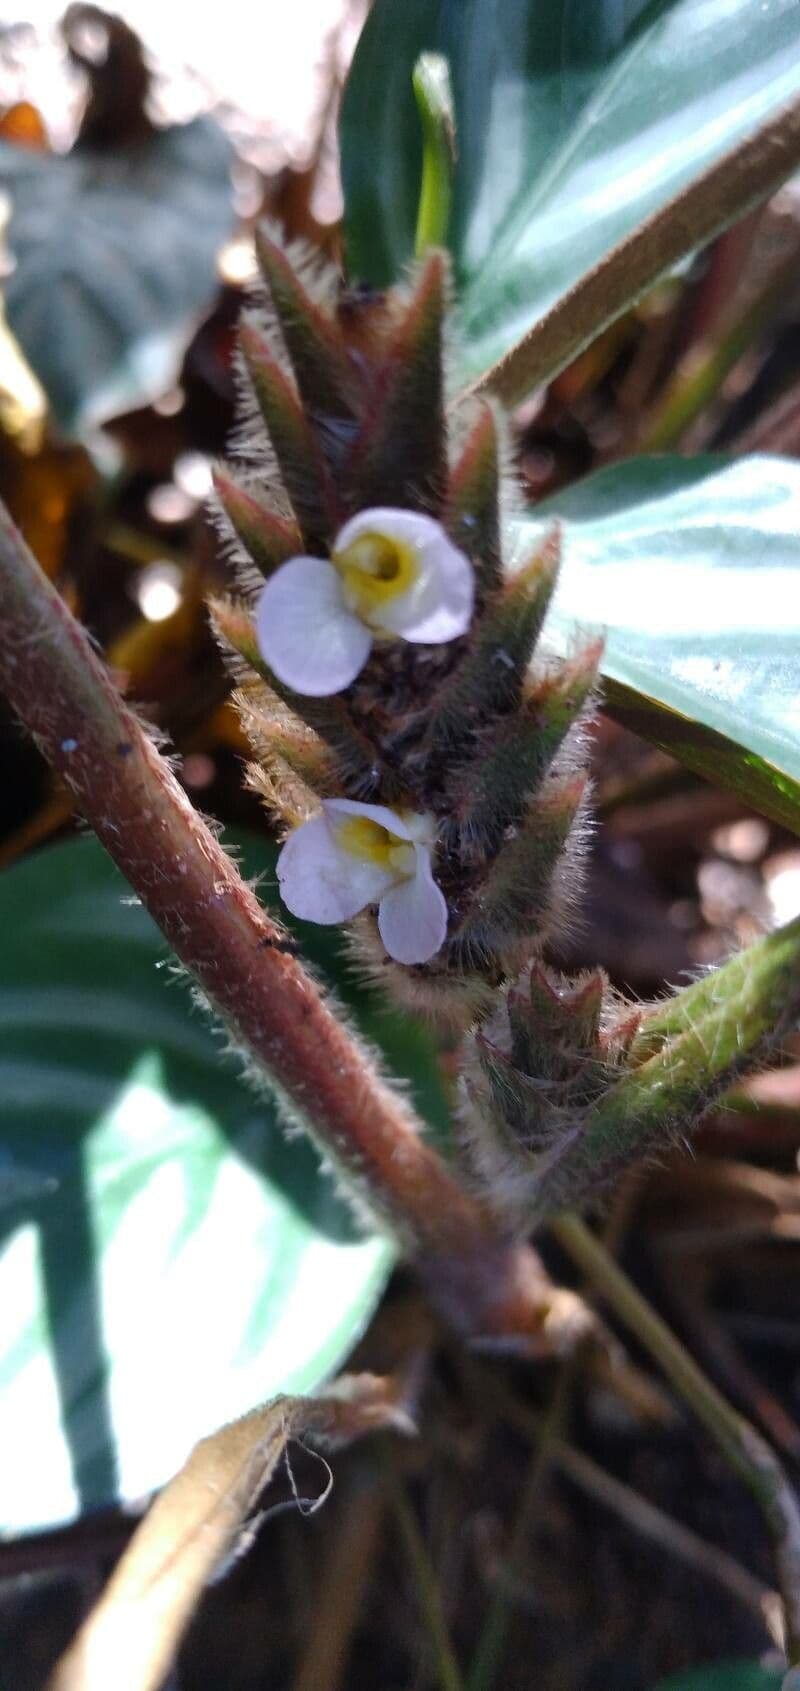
(746, 1450)
(687, 1051)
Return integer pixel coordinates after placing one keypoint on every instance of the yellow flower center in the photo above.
(374, 571)
(369, 840)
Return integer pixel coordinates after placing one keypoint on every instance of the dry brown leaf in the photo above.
(131, 1636)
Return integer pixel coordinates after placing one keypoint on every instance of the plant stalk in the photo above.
(244, 964)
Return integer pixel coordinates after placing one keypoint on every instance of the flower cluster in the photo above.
(428, 773)
(392, 575)
(426, 765)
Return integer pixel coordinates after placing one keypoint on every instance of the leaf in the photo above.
(115, 262)
(693, 568)
(724, 1676)
(200, 1520)
(431, 83)
(573, 125)
(747, 175)
(167, 1259)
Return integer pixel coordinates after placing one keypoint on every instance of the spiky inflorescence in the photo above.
(566, 1086)
(345, 395)
(532, 1075)
(563, 1083)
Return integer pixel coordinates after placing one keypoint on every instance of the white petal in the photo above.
(412, 917)
(439, 605)
(306, 633)
(321, 883)
(380, 813)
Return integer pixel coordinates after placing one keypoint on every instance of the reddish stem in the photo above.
(243, 962)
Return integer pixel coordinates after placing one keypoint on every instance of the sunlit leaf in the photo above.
(114, 261)
(693, 569)
(167, 1258)
(573, 124)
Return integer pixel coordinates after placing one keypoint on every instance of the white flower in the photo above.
(392, 574)
(359, 854)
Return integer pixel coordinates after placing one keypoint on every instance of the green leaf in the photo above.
(573, 124)
(724, 1676)
(431, 83)
(115, 262)
(693, 568)
(167, 1258)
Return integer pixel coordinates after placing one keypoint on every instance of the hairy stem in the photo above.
(746, 1450)
(687, 1051)
(244, 964)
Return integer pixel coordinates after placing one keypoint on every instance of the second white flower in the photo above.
(353, 855)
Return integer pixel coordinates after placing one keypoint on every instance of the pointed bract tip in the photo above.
(268, 539)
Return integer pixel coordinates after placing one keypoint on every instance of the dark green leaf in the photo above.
(573, 124)
(693, 568)
(115, 261)
(724, 1676)
(167, 1259)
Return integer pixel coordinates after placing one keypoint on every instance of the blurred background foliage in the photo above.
(130, 185)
